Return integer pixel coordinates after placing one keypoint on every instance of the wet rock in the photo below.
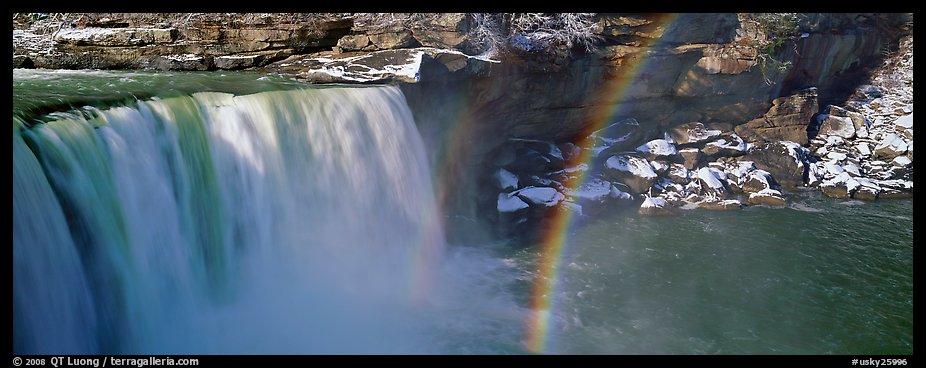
(22, 61)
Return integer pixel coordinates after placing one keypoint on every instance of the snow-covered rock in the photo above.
(863, 149)
(840, 186)
(768, 197)
(594, 189)
(867, 189)
(710, 179)
(615, 138)
(655, 206)
(692, 134)
(636, 172)
(904, 122)
(679, 174)
(891, 146)
(619, 194)
(661, 168)
(758, 180)
(505, 180)
(729, 146)
(838, 156)
(724, 205)
(509, 203)
(852, 169)
(837, 126)
(832, 168)
(658, 148)
(540, 196)
(902, 161)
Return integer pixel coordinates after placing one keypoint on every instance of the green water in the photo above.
(38, 91)
(821, 276)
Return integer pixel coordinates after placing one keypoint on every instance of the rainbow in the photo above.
(555, 239)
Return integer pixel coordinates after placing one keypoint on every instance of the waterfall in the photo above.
(298, 221)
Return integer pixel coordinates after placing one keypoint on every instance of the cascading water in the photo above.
(294, 221)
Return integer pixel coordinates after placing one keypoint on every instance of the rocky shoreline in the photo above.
(717, 111)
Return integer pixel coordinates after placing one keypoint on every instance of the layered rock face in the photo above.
(708, 110)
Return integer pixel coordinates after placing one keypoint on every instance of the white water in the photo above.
(281, 222)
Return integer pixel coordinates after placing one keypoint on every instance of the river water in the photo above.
(275, 218)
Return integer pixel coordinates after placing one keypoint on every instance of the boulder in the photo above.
(784, 160)
(679, 174)
(233, 62)
(658, 149)
(759, 180)
(692, 134)
(537, 181)
(636, 172)
(510, 203)
(767, 197)
(712, 182)
(891, 146)
(505, 180)
(616, 138)
(902, 161)
(392, 40)
(840, 186)
(867, 190)
(656, 206)
(730, 145)
(904, 122)
(786, 120)
(837, 125)
(540, 196)
(691, 157)
(592, 190)
(354, 42)
(863, 149)
(723, 205)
